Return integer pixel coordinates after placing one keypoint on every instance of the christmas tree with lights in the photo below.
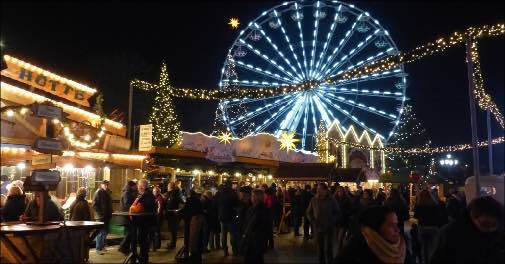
(409, 134)
(166, 126)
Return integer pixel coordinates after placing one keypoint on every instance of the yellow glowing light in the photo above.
(10, 113)
(331, 158)
(288, 141)
(87, 137)
(23, 110)
(225, 138)
(234, 23)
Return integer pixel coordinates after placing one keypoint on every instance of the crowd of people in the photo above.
(362, 226)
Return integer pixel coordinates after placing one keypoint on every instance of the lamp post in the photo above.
(449, 162)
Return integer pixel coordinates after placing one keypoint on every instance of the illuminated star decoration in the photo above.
(225, 138)
(234, 23)
(288, 141)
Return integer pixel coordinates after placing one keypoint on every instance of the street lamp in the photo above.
(449, 162)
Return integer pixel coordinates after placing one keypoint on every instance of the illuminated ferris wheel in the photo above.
(306, 42)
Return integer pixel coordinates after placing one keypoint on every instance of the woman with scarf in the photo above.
(379, 240)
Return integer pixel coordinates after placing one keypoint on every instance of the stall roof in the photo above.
(304, 171)
(348, 175)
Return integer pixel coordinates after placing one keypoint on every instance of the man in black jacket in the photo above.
(254, 239)
(173, 202)
(242, 208)
(102, 203)
(227, 200)
(305, 201)
(129, 193)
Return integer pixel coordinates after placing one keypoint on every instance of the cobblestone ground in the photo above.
(288, 249)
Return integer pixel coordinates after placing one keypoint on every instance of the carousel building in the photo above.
(349, 149)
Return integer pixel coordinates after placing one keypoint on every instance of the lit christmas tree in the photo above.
(166, 127)
(409, 134)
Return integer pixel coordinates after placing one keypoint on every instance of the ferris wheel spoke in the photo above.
(274, 117)
(289, 42)
(396, 73)
(305, 119)
(328, 39)
(250, 67)
(252, 83)
(313, 114)
(236, 101)
(260, 110)
(359, 47)
(362, 92)
(361, 106)
(315, 33)
(270, 61)
(352, 117)
(323, 110)
(341, 44)
(288, 62)
(367, 61)
(288, 119)
(301, 38)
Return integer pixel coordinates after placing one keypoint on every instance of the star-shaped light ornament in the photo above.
(234, 23)
(288, 141)
(225, 138)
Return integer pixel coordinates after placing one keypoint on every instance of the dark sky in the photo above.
(106, 44)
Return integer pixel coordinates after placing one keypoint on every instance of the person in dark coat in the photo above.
(227, 201)
(304, 202)
(214, 226)
(269, 203)
(324, 213)
(396, 202)
(297, 210)
(242, 209)
(147, 202)
(102, 203)
(426, 211)
(51, 211)
(155, 236)
(345, 203)
(476, 237)
(173, 201)
(79, 209)
(128, 196)
(207, 208)
(254, 238)
(379, 239)
(454, 206)
(380, 198)
(193, 230)
(14, 205)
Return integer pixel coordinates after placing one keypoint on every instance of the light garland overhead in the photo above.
(423, 150)
(420, 52)
(483, 99)
(235, 93)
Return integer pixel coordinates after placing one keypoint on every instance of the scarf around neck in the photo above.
(384, 250)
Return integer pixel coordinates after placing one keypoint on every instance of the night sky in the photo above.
(104, 45)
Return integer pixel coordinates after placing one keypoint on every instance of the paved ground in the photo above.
(288, 249)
